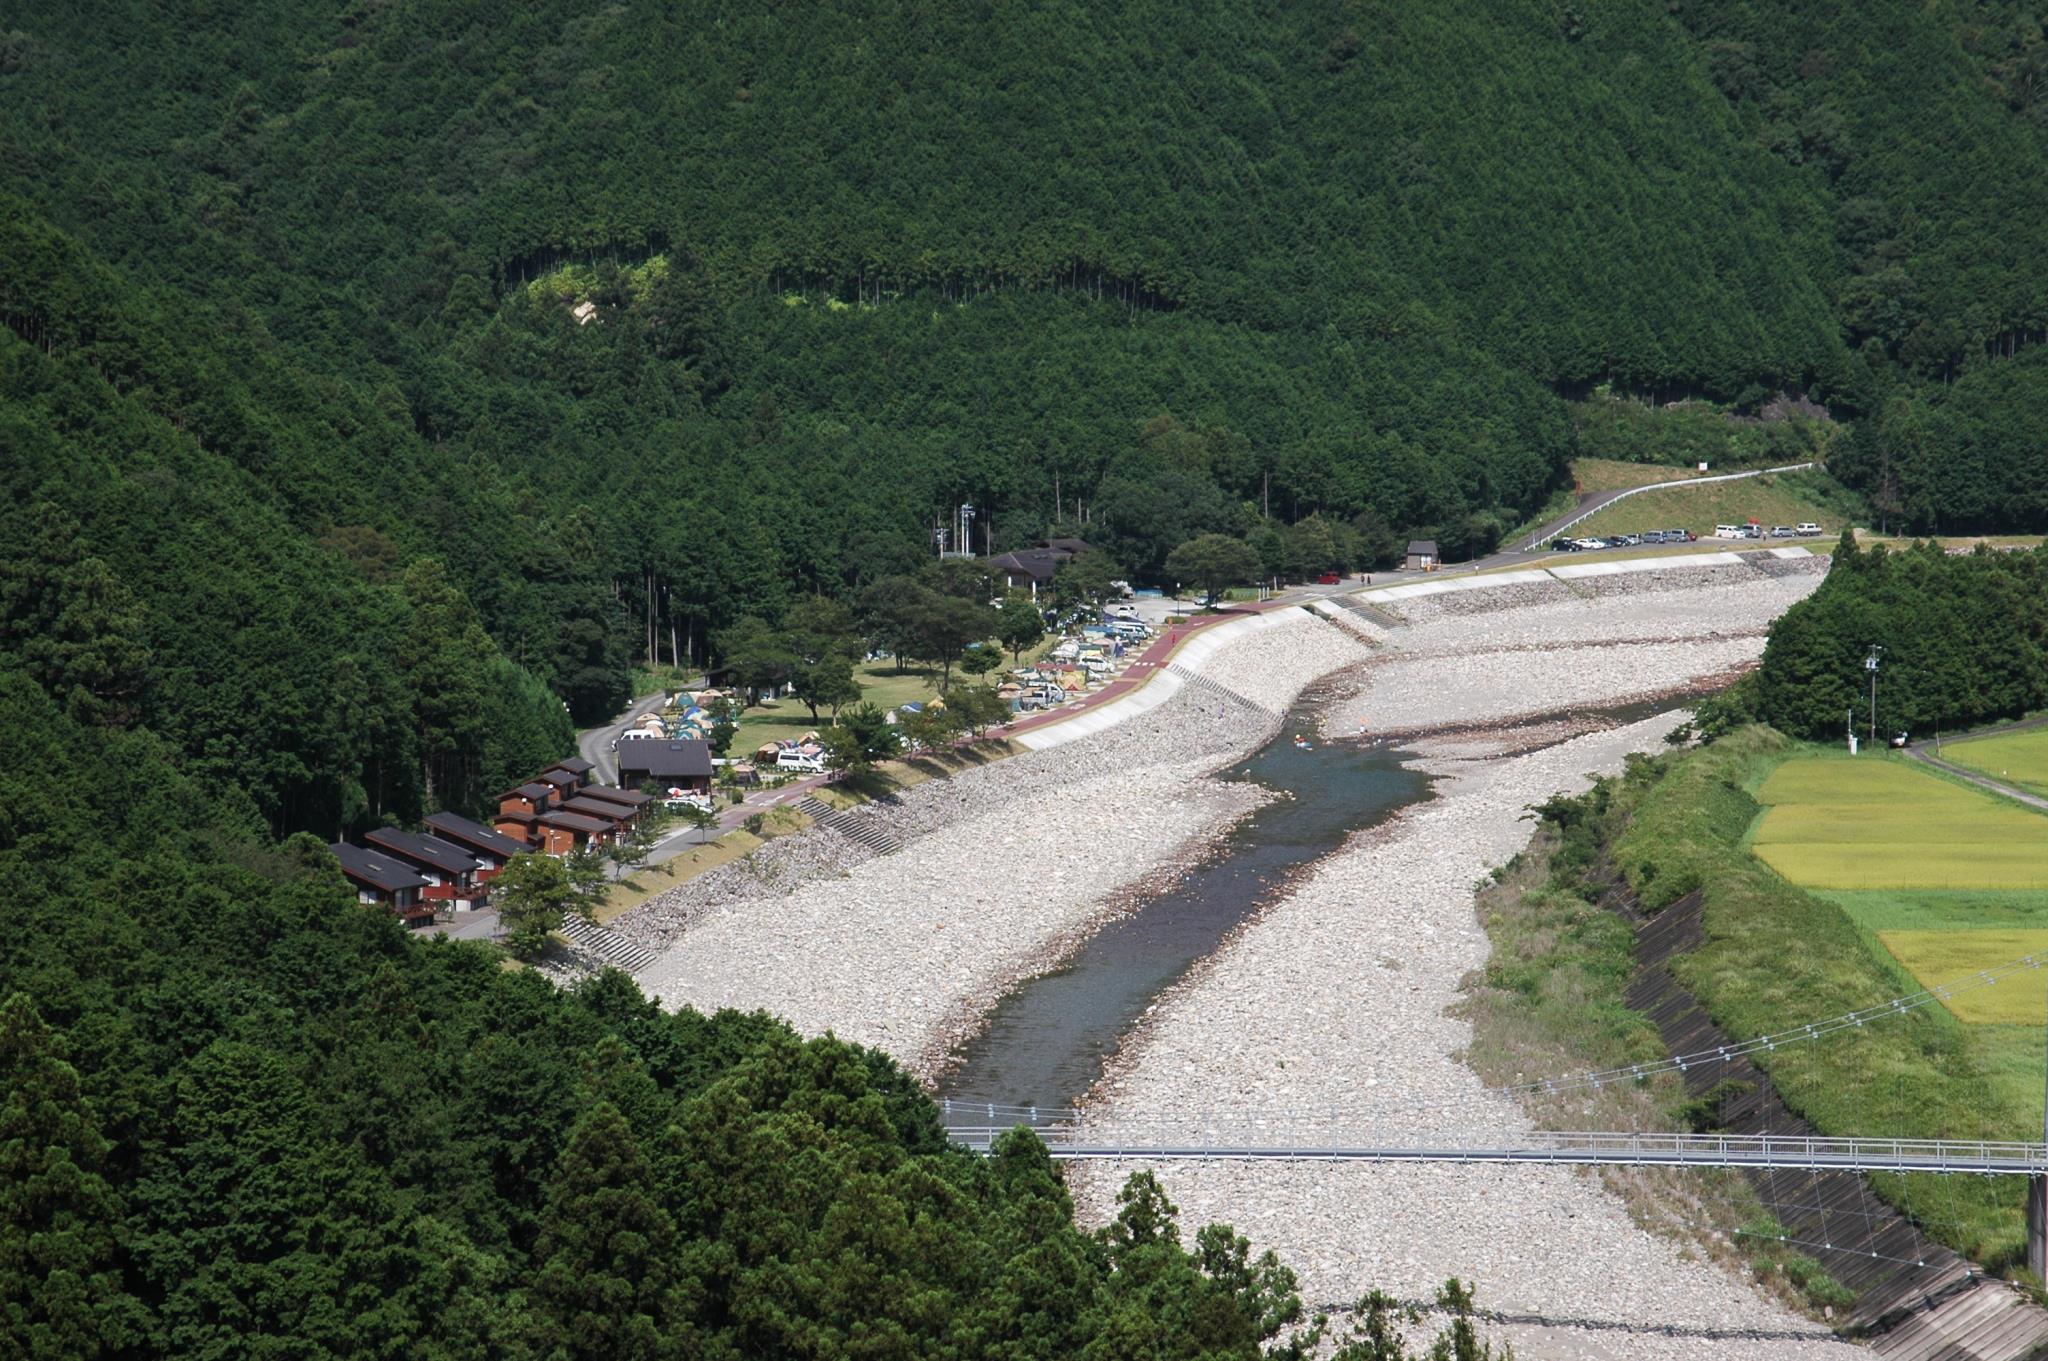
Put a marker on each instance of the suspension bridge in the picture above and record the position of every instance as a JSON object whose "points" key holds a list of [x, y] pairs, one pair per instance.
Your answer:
{"points": [[1209, 1142], [1453, 1130]]}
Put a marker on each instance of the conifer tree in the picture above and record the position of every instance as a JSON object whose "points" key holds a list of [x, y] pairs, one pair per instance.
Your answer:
{"points": [[60, 1287], [604, 1284]]}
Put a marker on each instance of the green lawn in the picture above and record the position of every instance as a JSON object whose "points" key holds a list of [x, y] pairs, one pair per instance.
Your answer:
{"points": [[1770, 500], [1613, 474], [880, 683], [1878, 823], [2019, 758]]}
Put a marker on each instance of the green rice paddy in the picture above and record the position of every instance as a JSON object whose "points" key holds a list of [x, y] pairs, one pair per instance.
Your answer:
{"points": [[1879, 823]]}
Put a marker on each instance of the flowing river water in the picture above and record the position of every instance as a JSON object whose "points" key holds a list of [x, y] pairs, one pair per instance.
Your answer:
{"points": [[1047, 1041]]}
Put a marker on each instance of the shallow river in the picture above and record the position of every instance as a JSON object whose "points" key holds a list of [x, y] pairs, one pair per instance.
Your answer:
{"points": [[1046, 1042]]}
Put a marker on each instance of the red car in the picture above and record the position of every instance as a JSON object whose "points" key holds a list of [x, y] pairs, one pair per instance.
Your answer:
{"points": [[1328, 579]]}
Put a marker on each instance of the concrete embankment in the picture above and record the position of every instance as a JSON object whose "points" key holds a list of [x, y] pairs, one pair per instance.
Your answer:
{"points": [[1336, 998], [1003, 869]]}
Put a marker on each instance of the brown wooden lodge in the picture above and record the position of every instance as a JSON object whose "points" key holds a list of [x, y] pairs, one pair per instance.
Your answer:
{"points": [[449, 865]]}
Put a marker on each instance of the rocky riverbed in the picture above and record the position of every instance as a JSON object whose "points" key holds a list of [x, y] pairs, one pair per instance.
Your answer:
{"points": [[1331, 1007], [1003, 868], [1332, 1002]]}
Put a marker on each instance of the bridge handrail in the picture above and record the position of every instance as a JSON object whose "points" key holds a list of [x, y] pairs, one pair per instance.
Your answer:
{"points": [[1195, 1139]]}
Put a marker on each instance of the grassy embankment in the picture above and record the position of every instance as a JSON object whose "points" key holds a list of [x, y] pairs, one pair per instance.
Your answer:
{"points": [[1612, 474], [1810, 863], [1553, 999], [1904, 879], [1770, 499]]}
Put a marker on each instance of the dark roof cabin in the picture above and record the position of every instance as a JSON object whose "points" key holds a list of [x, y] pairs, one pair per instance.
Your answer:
{"points": [[425, 854], [576, 766], [615, 814], [475, 838], [561, 833], [682, 763], [625, 798], [1032, 566], [531, 797], [1422, 555], [381, 879], [561, 781]]}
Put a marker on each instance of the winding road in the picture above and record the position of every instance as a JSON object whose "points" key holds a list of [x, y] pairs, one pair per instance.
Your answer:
{"points": [[595, 744], [1600, 500]]}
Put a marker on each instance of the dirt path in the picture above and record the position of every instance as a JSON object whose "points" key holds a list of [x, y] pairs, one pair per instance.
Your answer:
{"points": [[1918, 751]]}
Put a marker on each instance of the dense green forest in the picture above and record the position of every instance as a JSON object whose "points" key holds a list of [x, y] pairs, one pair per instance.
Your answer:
{"points": [[289, 290], [1965, 639], [380, 381], [240, 1116]]}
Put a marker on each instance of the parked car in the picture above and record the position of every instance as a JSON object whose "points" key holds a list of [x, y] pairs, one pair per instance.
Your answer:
{"points": [[1728, 531], [1123, 611], [1807, 528], [1784, 532], [797, 763], [1563, 545], [1653, 536], [1328, 579]]}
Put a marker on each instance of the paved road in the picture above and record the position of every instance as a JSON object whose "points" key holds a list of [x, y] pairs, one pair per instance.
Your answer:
{"points": [[1923, 753]]}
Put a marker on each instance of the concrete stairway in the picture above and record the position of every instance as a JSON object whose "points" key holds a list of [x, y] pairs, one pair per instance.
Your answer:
{"points": [[606, 944], [852, 823]]}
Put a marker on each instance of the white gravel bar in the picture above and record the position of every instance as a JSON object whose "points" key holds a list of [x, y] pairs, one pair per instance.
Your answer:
{"points": [[1004, 869], [1333, 1003], [1334, 997]]}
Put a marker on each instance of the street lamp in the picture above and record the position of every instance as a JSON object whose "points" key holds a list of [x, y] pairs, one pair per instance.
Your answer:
{"points": [[1870, 665]]}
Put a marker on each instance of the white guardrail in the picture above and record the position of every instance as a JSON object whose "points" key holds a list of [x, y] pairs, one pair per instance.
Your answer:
{"points": [[1533, 544]]}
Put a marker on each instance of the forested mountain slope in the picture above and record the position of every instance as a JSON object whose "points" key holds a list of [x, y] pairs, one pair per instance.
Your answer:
{"points": [[325, 508], [240, 1116], [1165, 267]]}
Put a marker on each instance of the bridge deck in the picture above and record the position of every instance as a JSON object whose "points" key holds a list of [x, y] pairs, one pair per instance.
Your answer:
{"points": [[1985, 1158]]}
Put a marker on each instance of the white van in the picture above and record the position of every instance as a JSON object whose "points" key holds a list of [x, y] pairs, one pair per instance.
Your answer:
{"points": [[1731, 532], [799, 764]]}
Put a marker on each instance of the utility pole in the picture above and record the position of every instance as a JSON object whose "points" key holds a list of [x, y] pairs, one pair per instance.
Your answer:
{"points": [[1870, 665]]}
